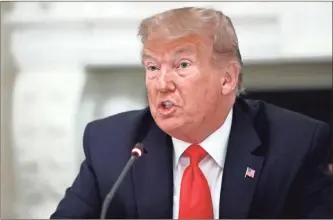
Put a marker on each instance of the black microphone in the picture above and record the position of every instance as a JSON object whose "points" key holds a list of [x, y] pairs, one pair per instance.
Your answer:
{"points": [[137, 152]]}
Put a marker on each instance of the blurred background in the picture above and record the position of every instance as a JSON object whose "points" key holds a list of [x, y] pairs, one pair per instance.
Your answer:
{"points": [[64, 64]]}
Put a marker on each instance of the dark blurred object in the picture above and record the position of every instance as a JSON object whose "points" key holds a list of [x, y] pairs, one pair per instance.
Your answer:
{"points": [[315, 103]]}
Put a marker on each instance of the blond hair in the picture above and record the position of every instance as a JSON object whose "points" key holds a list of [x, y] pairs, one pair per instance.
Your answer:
{"points": [[192, 20]]}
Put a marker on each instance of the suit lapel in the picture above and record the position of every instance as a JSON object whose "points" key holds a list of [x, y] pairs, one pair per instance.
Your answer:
{"points": [[237, 191], [153, 176]]}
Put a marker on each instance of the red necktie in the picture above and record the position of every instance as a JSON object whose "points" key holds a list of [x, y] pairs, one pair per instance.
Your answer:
{"points": [[195, 197]]}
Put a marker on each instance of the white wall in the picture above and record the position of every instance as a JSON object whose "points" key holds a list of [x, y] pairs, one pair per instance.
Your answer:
{"points": [[266, 30]]}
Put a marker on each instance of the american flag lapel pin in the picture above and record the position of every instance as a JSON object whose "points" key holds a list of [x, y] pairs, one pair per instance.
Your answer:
{"points": [[249, 172]]}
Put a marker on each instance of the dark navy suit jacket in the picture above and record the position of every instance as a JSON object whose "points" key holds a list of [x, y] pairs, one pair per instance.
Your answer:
{"points": [[288, 151]]}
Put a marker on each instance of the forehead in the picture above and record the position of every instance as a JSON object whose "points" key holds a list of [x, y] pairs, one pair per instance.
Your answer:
{"points": [[192, 44]]}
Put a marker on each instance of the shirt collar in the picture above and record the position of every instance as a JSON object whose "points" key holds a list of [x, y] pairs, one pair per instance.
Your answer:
{"points": [[215, 144]]}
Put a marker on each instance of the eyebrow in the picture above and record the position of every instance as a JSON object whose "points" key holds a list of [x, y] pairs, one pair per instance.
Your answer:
{"points": [[176, 52], [145, 55]]}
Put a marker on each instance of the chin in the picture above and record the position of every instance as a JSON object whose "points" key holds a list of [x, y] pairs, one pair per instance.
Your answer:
{"points": [[168, 125]]}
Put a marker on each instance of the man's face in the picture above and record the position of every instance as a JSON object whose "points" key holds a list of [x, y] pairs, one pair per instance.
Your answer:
{"points": [[183, 86]]}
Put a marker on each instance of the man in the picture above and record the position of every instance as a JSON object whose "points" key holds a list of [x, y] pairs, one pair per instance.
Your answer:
{"points": [[211, 154]]}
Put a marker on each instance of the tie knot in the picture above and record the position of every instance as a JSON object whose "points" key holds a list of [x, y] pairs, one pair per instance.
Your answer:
{"points": [[196, 153]]}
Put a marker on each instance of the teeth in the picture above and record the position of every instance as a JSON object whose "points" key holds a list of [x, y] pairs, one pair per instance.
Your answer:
{"points": [[167, 104]]}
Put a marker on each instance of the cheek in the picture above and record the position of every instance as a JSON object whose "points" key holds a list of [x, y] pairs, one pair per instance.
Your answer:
{"points": [[150, 90], [193, 94], [200, 94]]}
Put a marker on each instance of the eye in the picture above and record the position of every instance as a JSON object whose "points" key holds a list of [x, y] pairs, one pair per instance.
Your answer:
{"points": [[184, 64], [152, 68]]}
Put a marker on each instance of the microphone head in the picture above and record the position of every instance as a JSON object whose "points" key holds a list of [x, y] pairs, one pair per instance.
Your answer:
{"points": [[138, 150]]}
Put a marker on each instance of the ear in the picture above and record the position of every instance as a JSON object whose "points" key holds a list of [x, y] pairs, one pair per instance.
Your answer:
{"points": [[229, 80]]}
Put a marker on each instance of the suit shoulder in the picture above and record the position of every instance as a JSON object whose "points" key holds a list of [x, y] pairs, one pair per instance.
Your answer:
{"points": [[286, 131], [127, 116], [282, 117], [125, 121]]}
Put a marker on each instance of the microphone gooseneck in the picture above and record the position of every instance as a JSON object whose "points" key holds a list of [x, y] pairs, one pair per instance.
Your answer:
{"points": [[137, 152]]}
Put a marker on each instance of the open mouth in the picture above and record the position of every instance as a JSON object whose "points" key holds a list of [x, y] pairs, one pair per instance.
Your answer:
{"points": [[166, 107]]}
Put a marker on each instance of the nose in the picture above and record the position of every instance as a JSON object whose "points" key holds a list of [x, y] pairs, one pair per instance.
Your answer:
{"points": [[165, 82]]}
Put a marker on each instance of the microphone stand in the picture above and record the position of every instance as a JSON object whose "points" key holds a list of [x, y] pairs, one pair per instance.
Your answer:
{"points": [[136, 153]]}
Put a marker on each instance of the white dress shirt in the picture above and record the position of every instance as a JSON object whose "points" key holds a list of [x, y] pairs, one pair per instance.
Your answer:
{"points": [[212, 165]]}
